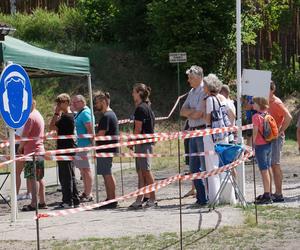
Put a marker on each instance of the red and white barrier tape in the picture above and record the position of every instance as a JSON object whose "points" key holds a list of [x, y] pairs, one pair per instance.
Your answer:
{"points": [[148, 189], [164, 137], [184, 134], [107, 155], [16, 159]]}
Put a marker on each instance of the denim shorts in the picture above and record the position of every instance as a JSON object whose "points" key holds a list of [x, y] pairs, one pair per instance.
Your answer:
{"points": [[263, 156]]}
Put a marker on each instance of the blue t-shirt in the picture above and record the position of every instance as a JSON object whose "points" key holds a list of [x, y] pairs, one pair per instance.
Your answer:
{"points": [[250, 113], [81, 118]]}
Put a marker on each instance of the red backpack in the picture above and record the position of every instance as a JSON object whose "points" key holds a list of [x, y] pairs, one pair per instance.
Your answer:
{"points": [[270, 129]]}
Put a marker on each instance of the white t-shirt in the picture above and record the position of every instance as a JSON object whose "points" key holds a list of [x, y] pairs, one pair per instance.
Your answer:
{"points": [[209, 104]]}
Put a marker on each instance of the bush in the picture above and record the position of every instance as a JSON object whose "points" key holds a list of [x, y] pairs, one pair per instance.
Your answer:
{"points": [[63, 31]]}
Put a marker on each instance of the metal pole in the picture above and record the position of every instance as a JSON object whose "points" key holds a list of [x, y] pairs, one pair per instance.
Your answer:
{"points": [[36, 205], [93, 129], [241, 167], [13, 190], [121, 167], [178, 149]]}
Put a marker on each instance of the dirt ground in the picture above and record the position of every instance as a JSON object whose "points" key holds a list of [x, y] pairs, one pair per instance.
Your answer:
{"points": [[123, 222]]}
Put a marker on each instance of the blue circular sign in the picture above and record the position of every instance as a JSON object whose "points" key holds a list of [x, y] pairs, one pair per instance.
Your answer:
{"points": [[15, 96]]}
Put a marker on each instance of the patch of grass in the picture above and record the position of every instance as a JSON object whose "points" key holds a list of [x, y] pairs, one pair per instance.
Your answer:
{"points": [[290, 142], [275, 225]]}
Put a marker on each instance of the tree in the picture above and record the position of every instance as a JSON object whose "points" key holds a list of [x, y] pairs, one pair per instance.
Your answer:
{"points": [[130, 25], [199, 28], [99, 17]]}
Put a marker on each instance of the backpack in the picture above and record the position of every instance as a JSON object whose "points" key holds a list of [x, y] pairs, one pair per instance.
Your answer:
{"points": [[219, 119], [270, 129]]}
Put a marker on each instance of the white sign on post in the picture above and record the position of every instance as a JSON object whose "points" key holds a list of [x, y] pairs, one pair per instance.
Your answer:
{"points": [[256, 83], [179, 57]]}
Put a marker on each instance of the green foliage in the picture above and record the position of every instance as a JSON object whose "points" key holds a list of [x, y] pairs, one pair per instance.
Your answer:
{"points": [[200, 29], [287, 81], [99, 18], [130, 24], [251, 24], [63, 31]]}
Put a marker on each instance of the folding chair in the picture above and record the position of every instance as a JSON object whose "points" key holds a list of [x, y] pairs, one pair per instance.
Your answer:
{"points": [[3, 183], [228, 153]]}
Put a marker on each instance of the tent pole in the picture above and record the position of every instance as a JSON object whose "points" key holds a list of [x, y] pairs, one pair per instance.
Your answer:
{"points": [[93, 122], [241, 167]]}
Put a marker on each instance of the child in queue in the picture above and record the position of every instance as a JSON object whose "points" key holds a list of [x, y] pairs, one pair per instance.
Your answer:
{"points": [[262, 148]]}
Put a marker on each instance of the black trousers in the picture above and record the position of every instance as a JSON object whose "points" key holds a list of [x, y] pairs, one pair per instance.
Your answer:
{"points": [[68, 182]]}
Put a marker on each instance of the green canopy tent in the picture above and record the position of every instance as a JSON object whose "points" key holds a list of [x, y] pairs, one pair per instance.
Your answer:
{"points": [[42, 63]]}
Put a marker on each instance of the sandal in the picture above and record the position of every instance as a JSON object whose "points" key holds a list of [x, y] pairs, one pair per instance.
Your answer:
{"points": [[42, 206], [27, 208]]}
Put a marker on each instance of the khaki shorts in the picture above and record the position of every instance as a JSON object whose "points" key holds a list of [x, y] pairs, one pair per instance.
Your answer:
{"points": [[276, 150], [82, 163], [143, 163]]}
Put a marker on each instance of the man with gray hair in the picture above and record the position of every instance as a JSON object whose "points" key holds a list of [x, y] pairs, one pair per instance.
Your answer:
{"points": [[194, 109], [84, 125]]}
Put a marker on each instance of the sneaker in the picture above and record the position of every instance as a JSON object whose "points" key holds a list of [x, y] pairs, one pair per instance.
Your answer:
{"points": [[136, 205], [82, 196], [277, 198], [86, 198], [145, 199], [21, 197], [63, 206], [151, 203], [263, 199], [201, 204], [28, 196]]}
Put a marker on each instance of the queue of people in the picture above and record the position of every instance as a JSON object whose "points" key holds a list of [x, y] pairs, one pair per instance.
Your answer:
{"points": [[207, 101], [209, 95]]}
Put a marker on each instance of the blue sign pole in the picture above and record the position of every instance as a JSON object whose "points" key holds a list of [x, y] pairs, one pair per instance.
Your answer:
{"points": [[15, 107]]}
